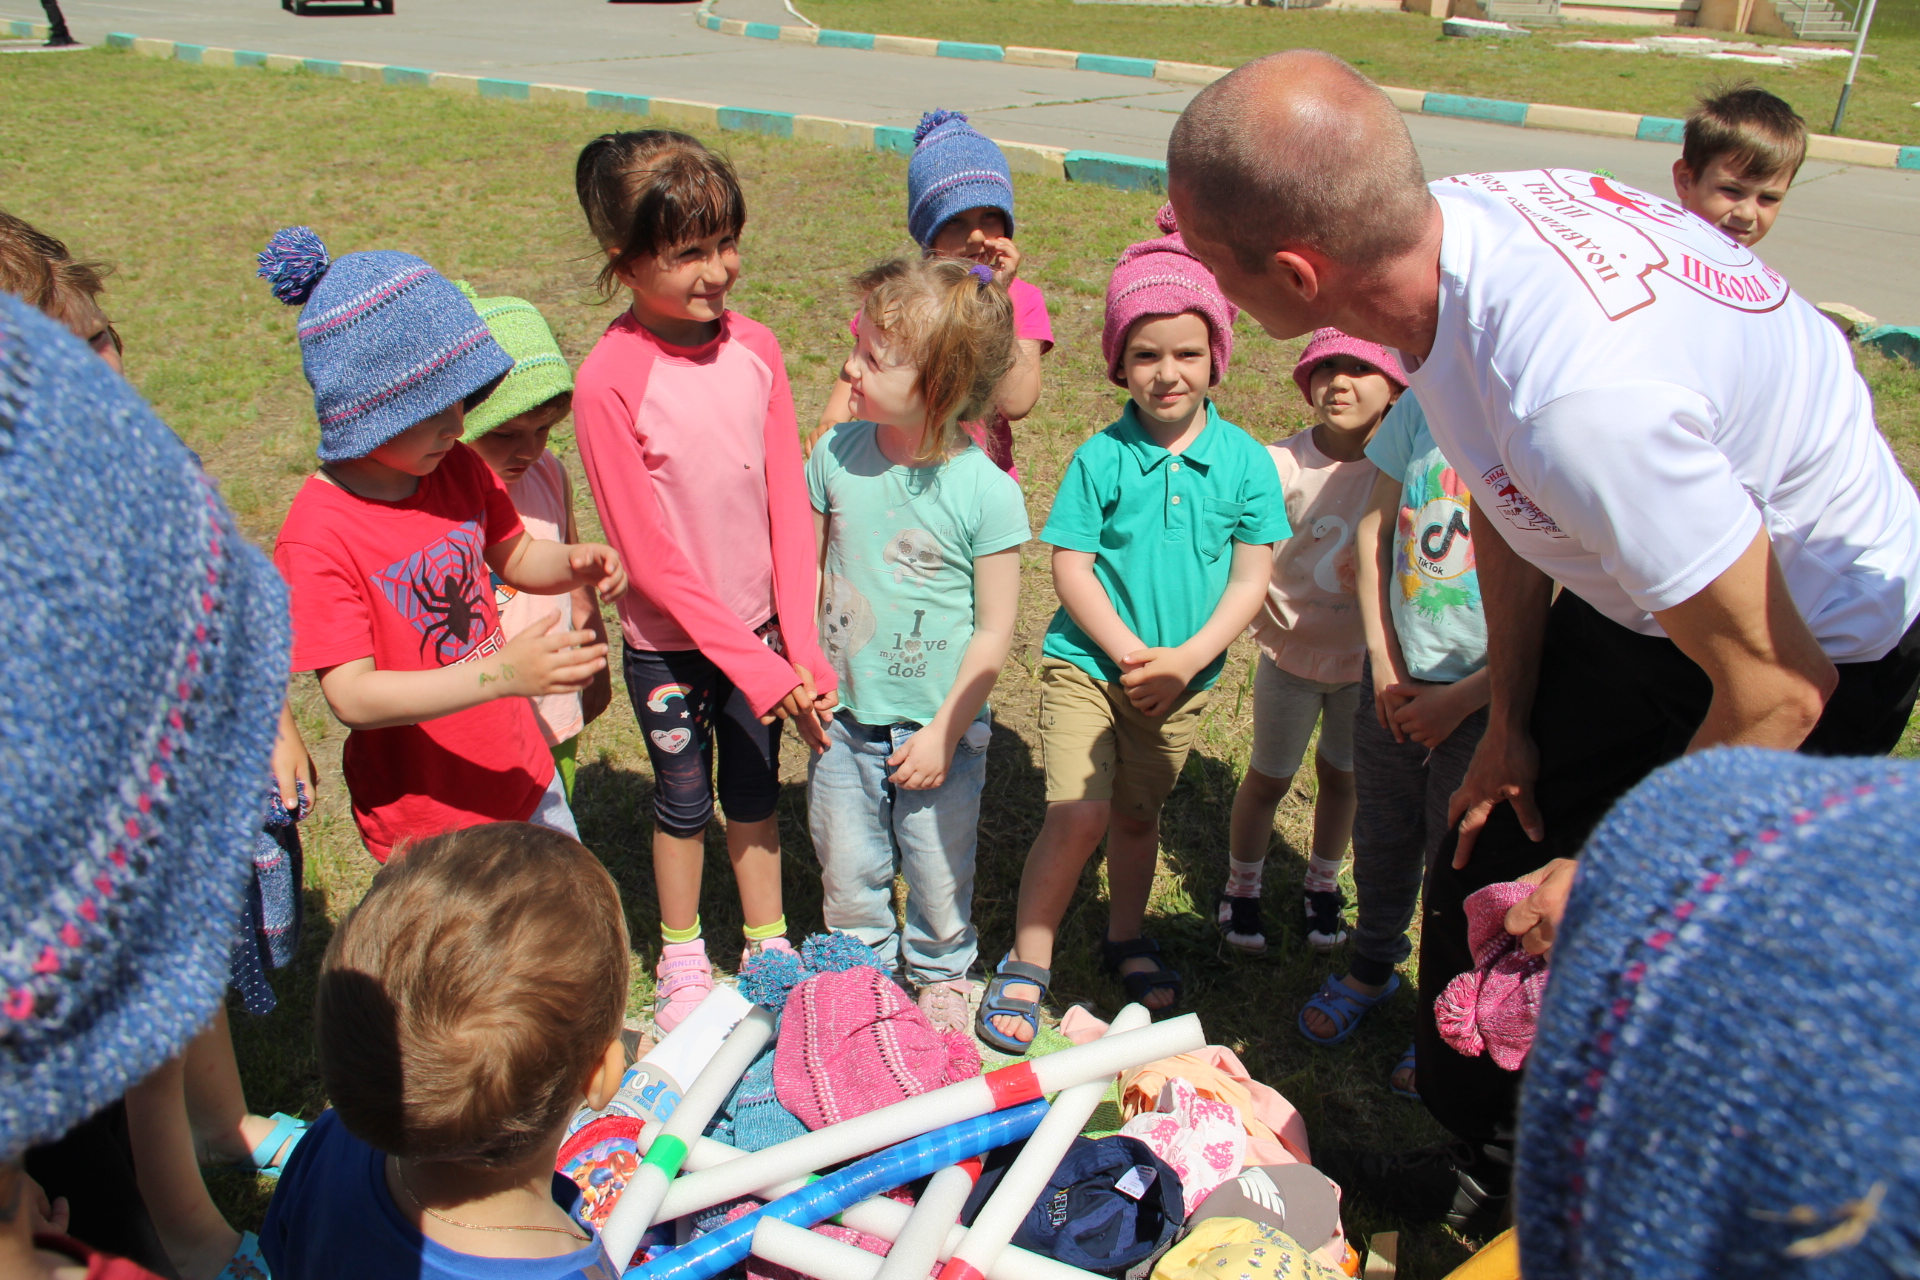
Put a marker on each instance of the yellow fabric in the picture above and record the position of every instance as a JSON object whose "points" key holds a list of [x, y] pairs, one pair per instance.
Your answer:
{"points": [[1275, 1130], [1240, 1249], [1500, 1260]]}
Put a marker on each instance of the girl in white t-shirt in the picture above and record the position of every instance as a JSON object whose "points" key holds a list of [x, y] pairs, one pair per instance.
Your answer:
{"points": [[509, 431], [1312, 644]]}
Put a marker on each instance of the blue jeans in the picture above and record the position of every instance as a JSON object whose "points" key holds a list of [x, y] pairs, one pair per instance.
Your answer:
{"points": [[863, 826]]}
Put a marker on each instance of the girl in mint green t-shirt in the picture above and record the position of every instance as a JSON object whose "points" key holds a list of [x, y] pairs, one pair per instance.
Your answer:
{"points": [[919, 544]]}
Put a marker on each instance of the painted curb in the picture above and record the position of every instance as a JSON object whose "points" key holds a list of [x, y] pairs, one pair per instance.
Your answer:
{"points": [[1127, 173], [1528, 115], [25, 29]]}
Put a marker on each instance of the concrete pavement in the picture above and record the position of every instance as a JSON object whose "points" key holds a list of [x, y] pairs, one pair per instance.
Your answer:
{"points": [[1848, 234]]}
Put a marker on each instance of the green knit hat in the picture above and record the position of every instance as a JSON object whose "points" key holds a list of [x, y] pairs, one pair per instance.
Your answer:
{"points": [[539, 371]]}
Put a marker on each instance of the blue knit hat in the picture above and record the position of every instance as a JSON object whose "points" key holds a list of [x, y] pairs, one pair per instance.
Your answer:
{"points": [[954, 168], [1723, 1083], [144, 668], [385, 339]]}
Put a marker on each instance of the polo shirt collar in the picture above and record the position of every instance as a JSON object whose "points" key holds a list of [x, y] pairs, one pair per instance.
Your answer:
{"points": [[1151, 454]]}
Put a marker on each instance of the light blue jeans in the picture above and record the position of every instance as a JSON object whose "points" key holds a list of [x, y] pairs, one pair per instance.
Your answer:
{"points": [[863, 827]]}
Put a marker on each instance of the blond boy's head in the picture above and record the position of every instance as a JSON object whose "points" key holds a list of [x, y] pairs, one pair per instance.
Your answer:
{"points": [[1741, 150], [467, 1001]]}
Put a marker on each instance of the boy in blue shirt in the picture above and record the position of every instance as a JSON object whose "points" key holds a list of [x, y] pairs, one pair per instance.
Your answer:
{"points": [[1162, 534], [466, 1007]]}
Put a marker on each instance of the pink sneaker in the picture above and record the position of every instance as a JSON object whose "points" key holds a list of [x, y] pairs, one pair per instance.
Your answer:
{"points": [[757, 945], [684, 977]]}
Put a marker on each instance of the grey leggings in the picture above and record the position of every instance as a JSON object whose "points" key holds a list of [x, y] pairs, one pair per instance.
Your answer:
{"points": [[1402, 791]]}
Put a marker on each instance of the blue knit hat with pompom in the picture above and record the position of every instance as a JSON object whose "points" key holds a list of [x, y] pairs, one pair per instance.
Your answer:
{"points": [[954, 168], [145, 668], [385, 339]]}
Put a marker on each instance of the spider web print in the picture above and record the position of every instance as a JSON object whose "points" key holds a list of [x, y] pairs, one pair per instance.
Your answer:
{"points": [[438, 589]]}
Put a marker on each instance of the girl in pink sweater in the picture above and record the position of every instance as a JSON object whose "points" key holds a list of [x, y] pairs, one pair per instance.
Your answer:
{"points": [[686, 432]]}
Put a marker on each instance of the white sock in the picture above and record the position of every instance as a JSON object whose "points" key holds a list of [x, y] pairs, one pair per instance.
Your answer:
{"points": [[1243, 878], [1323, 874]]}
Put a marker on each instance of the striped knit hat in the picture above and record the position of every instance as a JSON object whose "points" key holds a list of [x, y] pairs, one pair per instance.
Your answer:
{"points": [[540, 372], [954, 168], [385, 340], [1163, 278]]}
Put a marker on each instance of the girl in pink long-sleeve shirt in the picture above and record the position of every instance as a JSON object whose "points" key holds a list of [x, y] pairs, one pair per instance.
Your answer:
{"points": [[686, 432]]}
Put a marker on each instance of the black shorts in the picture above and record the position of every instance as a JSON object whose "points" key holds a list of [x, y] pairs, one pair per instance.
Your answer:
{"points": [[1612, 706], [690, 713]]}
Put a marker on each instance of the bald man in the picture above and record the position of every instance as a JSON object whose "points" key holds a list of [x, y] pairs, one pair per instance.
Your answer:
{"points": [[1645, 414]]}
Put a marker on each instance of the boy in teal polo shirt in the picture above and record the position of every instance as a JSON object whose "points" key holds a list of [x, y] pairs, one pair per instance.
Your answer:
{"points": [[1162, 534]]}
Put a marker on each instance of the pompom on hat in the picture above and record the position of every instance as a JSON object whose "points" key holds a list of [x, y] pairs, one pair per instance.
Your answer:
{"points": [[145, 670], [1332, 342], [1162, 278], [540, 372], [852, 1042], [386, 341], [954, 168]]}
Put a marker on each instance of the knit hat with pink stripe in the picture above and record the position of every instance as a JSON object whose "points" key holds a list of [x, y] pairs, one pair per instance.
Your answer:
{"points": [[852, 1042], [1163, 278], [385, 339], [1332, 342]]}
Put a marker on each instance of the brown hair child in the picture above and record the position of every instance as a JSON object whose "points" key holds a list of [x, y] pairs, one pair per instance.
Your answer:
{"points": [[1740, 153]]}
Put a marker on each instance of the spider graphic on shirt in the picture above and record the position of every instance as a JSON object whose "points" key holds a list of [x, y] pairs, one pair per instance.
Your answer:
{"points": [[453, 614], [443, 591]]}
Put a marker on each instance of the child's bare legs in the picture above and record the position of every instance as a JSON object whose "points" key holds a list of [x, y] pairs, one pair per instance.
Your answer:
{"points": [[197, 1239], [1068, 837], [754, 850], [1250, 830], [223, 1129], [1133, 849]]}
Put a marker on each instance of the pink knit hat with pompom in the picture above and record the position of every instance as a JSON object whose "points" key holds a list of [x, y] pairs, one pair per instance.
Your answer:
{"points": [[1163, 278], [851, 1042], [1332, 342]]}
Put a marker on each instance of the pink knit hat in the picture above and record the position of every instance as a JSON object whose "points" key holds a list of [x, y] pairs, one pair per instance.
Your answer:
{"points": [[851, 1042], [1163, 278], [1332, 342]]}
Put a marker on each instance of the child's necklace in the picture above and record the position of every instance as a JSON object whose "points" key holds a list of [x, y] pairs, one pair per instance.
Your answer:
{"points": [[400, 1176]]}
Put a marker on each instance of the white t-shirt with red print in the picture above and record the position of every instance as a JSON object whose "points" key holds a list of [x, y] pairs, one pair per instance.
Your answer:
{"points": [[1628, 394]]}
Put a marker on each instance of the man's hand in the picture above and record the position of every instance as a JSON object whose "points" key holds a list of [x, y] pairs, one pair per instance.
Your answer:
{"points": [[1427, 713], [1537, 920], [922, 763], [541, 660], [1504, 768], [1154, 679], [600, 566], [292, 763]]}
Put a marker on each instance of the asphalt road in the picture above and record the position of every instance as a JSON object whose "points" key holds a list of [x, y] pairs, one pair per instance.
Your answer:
{"points": [[1847, 234]]}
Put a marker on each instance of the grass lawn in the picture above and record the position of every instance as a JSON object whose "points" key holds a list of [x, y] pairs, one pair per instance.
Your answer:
{"points": [[1408, 50], [178, 174]]}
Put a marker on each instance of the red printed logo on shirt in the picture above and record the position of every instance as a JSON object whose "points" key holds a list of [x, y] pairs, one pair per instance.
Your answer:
{"points": [[1619, 241], [1520, 510], [442, 590]]}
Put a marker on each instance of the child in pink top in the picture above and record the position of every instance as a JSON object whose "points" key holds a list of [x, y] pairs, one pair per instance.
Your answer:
{"points": [[960, 205], [686, 430], [1312, 642], [509, 431]]}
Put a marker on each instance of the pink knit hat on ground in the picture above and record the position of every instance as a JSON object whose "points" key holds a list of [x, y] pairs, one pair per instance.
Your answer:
{"points": [[1163, 278], [851, 1042], [1332, 342]]}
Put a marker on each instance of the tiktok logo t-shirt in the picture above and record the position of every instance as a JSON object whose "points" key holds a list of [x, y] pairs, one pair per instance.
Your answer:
{"points": [[897, 612], [1434, 594]]}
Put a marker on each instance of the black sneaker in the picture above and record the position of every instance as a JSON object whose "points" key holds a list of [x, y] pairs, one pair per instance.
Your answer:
{"points": [[1245, 926], [1464, 1185], [1325, 929]]}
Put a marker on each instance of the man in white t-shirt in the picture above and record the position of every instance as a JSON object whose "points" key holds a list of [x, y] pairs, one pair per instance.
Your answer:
{"points": [[1645, 414]]}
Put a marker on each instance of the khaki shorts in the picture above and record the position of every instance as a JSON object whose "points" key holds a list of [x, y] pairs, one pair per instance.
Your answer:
{"points": [[1097, 746]]}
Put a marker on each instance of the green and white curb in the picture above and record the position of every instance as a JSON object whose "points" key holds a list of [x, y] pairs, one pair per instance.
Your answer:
{"points": [[23, 29], [1525, 115], [1127, 173]]}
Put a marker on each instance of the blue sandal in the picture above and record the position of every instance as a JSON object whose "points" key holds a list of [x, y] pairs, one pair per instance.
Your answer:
{"points": [[1407, 1063], [246, 1263], [996, 1002], [287, 1132], [1343, 1006]]}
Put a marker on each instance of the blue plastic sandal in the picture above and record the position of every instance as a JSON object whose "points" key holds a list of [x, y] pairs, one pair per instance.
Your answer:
{"points": [[997, 1002], [1343, 1006], [246, 1263], [1407, 1063], [287, 1131]]}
